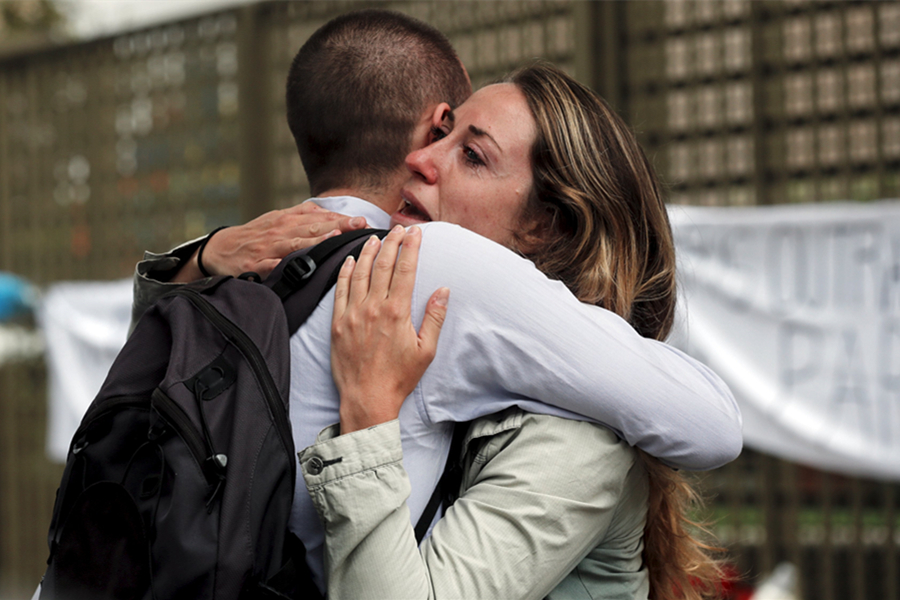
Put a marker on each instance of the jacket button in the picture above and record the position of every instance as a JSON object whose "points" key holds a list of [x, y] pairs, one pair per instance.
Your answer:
{"points": [[315, 465]]}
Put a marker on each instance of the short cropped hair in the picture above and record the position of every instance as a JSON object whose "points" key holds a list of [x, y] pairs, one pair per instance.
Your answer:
{"points": [[358, 87]]}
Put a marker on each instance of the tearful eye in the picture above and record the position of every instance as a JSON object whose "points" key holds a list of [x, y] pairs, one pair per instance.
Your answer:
{"points": [[472, 156]]}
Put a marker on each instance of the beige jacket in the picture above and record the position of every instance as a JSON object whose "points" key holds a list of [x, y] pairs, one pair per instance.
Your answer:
{"points": [[549, 508]]}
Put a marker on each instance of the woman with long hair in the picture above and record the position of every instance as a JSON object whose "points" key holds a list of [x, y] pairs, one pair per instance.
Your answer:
{"points": [[542, 165]]}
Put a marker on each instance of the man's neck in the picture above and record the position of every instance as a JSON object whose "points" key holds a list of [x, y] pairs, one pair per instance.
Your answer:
{"points": [[386, 200]]}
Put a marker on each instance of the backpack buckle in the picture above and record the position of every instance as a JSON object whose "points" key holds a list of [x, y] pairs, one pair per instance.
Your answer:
{"points": [[298, 270]]}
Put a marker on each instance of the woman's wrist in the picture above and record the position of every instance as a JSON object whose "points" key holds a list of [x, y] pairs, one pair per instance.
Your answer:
{"points": [[363, 410]]}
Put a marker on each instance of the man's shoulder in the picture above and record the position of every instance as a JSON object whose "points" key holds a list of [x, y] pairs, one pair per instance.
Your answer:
{"points": [[455, 242], [471, 264], [444, 230]]}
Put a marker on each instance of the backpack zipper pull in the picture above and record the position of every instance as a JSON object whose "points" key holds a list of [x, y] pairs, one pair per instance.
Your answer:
{"points": [[218, 463]]}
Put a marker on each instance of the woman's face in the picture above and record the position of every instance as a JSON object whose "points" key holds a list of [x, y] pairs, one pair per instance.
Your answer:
{"points": [[477, 171]]}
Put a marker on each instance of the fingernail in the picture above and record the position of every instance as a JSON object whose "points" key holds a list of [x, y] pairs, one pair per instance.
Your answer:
{"points": [[397, 229], [372, 241], [333, 233], [357, 222], [443, 295], [414, 230], [348, 262]]}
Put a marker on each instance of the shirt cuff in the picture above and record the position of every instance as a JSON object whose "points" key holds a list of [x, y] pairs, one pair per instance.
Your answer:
{"points": [[335, 456], [152, 275], [160, 268]]}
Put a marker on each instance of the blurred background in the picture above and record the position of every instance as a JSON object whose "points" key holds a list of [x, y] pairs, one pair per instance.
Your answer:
{"points": [[127, 126]]}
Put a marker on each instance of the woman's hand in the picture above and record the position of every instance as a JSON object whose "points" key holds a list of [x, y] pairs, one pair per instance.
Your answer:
{"points": [[377, 358]]}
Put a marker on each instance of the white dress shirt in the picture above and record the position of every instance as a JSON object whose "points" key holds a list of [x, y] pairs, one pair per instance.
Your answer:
{"points": [[513, 337]]}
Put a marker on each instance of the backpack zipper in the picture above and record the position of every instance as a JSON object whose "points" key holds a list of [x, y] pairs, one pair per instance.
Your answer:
{"points": [[168, 408], [257, 363], [102, 408], [183, 426]]}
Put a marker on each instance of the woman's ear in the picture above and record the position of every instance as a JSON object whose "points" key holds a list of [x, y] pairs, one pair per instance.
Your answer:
{"points": [[536, 230]]}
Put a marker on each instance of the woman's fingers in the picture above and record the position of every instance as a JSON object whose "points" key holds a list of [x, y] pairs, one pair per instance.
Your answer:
{"points": [[435, 313], [342, 289], [383, 269], [377, 357], [404, 279], [359, 280]]}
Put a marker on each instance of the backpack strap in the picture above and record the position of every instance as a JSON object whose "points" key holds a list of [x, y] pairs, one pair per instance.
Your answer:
{"points": [[447, 490], [296, 268], [314, 270]]}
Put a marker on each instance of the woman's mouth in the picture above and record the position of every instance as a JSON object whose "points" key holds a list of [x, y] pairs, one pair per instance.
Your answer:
{"points": [[411, 213]]}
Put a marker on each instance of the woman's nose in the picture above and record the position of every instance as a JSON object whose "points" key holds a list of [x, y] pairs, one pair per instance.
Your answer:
{"points": [[420, 162]]}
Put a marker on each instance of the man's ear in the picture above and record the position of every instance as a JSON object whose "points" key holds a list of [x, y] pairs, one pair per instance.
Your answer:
{"points": [[430, 119], [440, 113]]}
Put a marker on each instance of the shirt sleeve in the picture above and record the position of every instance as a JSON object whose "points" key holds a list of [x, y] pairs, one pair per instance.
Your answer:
{"points": [[514, 336], [539, 496], [152, 277]]}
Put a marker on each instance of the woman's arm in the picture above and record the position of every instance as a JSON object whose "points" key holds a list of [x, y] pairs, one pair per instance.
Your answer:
{"points": [[540, 493]]}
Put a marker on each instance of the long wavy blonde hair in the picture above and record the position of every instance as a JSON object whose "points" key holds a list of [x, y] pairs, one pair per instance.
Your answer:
{"points": [[596, 220]]}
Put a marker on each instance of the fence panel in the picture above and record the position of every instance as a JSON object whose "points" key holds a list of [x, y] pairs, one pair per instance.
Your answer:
{"points": [[841, 532], [767, 102], [743, 103], [27, 479]]}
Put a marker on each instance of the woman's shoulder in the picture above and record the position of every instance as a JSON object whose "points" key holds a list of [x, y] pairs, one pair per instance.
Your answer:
{"points": [[515, 421], [561, 445]]}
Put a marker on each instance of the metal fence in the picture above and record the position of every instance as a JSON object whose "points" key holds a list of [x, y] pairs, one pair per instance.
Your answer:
{"points": [[767, 102], [146, 139]]}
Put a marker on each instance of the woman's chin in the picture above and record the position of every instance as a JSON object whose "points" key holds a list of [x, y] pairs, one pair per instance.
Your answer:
{"points": [[398, 218]]}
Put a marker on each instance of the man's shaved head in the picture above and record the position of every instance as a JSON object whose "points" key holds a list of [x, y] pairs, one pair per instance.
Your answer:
{"points": [[358, 87]]}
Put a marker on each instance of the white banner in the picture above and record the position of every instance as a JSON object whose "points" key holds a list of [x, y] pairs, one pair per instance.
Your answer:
{"points": [[85, 324], [798, 310]]}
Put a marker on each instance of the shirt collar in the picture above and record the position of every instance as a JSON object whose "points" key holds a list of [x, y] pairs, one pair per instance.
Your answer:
{"points": [[355, 207]]}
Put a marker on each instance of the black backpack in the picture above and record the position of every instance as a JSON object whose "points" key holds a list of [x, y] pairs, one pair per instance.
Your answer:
{"points": [[180, 479]]}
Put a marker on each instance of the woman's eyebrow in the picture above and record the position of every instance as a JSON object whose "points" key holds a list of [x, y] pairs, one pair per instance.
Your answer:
{"points": [[482, 133]]}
